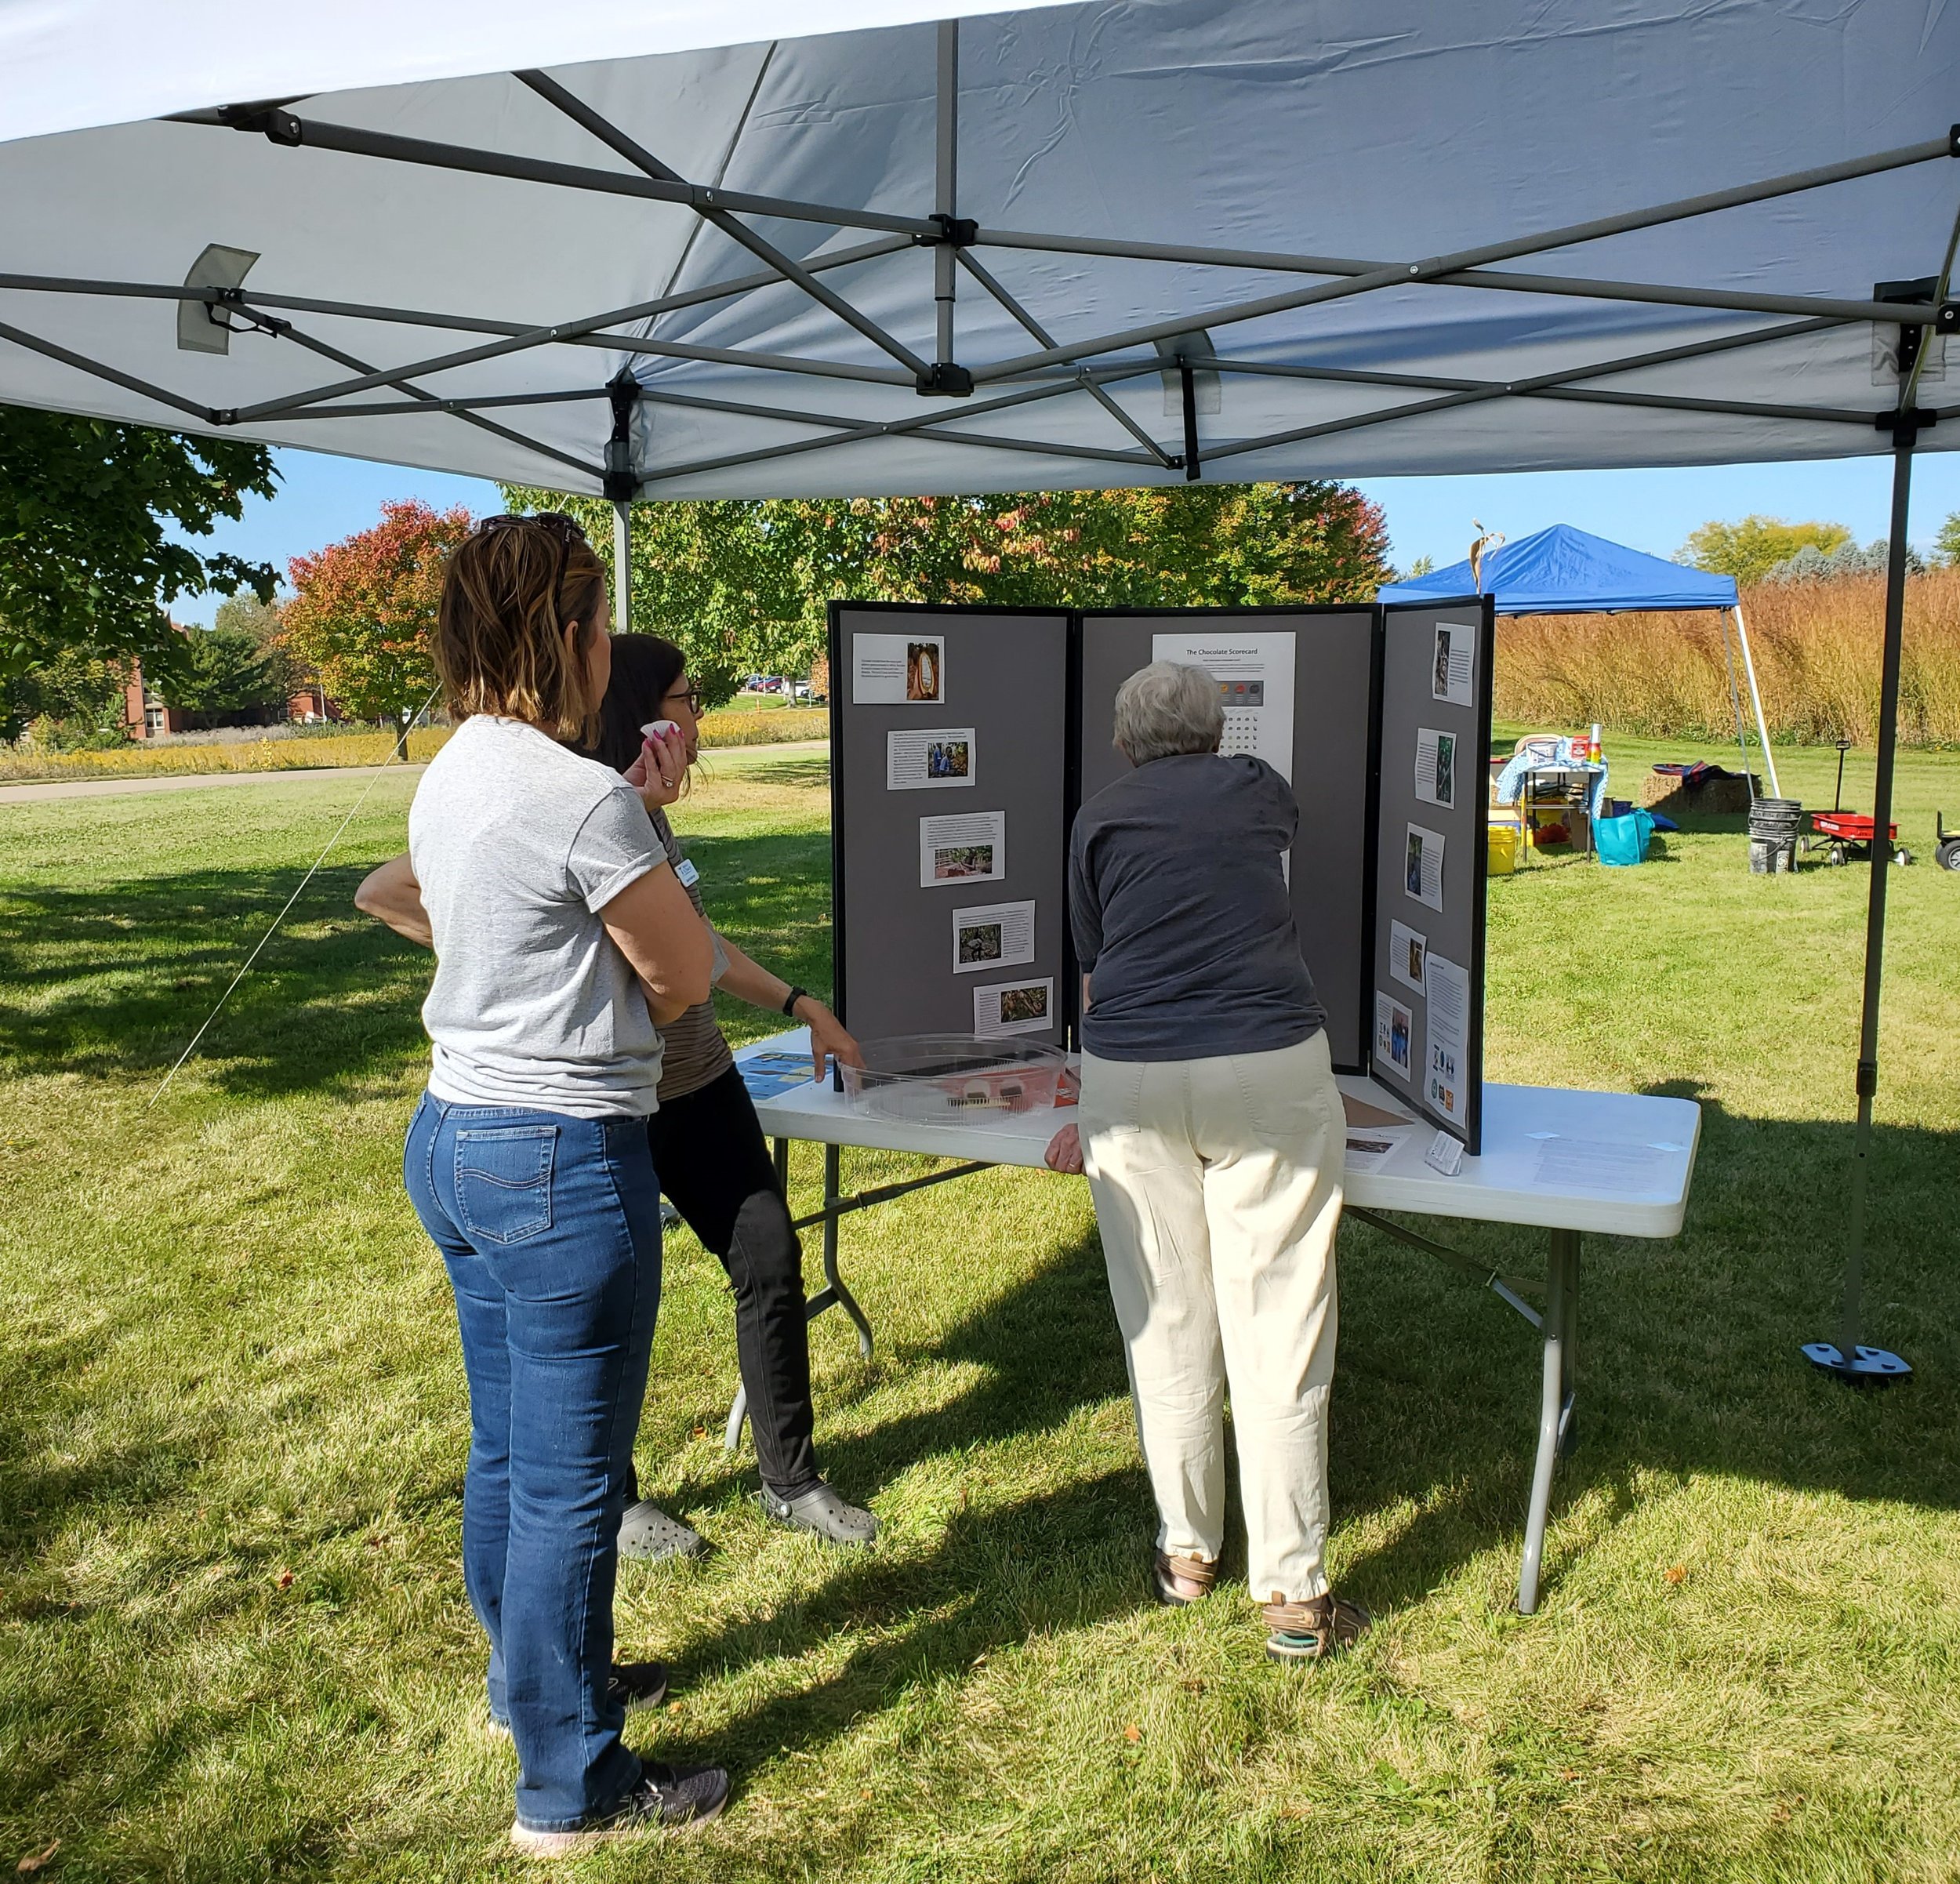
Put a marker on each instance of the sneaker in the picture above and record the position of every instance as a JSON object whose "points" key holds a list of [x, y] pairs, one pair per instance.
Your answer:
{"points": [[632, 1684], [1313, 1630], [820, 1510], [665, 1797], [647, 1533]]}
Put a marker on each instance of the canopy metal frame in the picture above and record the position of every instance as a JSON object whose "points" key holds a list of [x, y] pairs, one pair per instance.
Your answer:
{"points": [[1085, 368], [1051, 368]]}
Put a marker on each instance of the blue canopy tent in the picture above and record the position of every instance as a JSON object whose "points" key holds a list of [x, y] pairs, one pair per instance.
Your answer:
{"points": [[1563, 571]]}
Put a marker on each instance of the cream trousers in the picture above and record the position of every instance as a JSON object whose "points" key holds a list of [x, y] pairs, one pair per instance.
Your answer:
{"points": [[1217, 1191]]}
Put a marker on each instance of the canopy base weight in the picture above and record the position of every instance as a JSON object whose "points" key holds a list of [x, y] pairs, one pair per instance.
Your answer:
{"points": [[1867, 1367]]}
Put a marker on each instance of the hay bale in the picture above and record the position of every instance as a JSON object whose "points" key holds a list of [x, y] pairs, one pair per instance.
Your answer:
{"points": [[1663, 793]]}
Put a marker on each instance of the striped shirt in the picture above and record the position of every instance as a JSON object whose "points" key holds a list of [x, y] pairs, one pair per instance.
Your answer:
{"points": [[694, 1054]]}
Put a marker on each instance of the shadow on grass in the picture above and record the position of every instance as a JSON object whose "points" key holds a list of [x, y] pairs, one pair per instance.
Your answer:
{"points": [[110, 983], [1688, 1353]]}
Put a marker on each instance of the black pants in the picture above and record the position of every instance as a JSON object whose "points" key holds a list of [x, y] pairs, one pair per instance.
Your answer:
{"points": [[714, 1165]]}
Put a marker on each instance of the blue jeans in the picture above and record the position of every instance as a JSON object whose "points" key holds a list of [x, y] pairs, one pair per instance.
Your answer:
{"points": [[550, 1227]]}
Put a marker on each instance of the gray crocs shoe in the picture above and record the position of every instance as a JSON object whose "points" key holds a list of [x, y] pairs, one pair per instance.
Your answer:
{"points": [[821, 1510], [647, 1533]]}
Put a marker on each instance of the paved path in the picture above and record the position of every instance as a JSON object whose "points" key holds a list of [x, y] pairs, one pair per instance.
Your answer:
{"points": [[36, 790]]}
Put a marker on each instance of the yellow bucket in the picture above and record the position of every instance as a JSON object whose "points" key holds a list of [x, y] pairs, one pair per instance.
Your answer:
{"points": [[1503, 849]]}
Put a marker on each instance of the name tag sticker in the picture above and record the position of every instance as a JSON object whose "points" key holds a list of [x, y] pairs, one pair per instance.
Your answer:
{"points": [[687, 873]]}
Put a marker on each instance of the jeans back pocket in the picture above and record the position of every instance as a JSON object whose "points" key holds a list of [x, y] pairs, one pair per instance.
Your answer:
{"points": [[503, 1180]]}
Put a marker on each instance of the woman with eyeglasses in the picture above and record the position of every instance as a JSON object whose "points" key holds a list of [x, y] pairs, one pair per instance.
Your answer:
{"points": [[563, 940], [708, 1148]]}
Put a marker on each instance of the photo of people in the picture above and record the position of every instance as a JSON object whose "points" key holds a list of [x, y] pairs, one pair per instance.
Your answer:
{"points": [[949, 759], [951, 861], [1394, 1026], [925, 670], [1412, 958], [1446, 768], [1025, 1005], [980, 942], [1412, 876]]}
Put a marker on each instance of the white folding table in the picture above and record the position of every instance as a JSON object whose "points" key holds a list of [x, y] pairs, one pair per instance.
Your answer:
{"points": [[1566, 1161]]}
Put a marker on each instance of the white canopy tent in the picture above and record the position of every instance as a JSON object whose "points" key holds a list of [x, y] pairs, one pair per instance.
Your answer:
{"points": [[654, 250]]}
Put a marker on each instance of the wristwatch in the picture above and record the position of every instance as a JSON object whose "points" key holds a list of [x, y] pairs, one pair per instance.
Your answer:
{"points": [[789, 1001]]}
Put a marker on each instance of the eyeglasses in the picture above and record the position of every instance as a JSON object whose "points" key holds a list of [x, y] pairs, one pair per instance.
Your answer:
{"points": [[691, 696], [566, 531]]}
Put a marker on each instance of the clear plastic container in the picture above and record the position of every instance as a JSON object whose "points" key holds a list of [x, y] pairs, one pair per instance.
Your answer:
{"points": [[940, 1078]]}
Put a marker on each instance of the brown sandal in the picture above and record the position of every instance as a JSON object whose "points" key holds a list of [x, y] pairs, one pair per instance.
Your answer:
{"points": [[1167, 1572], [1312, 1630]]}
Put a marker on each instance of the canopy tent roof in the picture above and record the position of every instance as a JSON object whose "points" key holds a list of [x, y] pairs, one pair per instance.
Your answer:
{"points": [[1563, 571], [1251, 239]]}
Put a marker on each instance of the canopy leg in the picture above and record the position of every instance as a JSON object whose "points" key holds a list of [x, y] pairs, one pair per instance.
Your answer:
{"points": [[1846, 1358], [1735, 698], [623, 568], [1755, 698]]}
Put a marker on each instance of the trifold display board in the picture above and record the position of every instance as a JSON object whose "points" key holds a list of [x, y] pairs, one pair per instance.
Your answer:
{"points": [[964, 739]]}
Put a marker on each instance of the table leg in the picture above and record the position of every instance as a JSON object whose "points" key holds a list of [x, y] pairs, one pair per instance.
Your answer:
{"points": [[832, 1163], [1555, 1403]]}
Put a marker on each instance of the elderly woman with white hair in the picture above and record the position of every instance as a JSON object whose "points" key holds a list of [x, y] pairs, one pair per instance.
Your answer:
{"points": [[1213, 1135]]}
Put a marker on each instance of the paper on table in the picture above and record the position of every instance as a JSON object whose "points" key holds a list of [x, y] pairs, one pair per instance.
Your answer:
{"points": [[970, 847], [1359, 1112], [1448, 1046], [1369, 1151], [993, 936], [898, 670], [918, 761], [1456, 662], [1254, 673], [1422, 870], [1435, 767], [1596, 1164], [1013, 1007], [1406, 952]]}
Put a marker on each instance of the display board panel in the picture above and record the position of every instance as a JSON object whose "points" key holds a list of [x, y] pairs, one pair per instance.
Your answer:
{"points": [[950, 741], [1426, 1020], [1300, 692]]}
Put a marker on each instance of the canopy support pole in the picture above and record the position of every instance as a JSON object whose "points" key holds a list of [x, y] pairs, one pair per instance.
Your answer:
{"points": [[621, 484], [945, 187], [1735, 698], [622, 568], [1755, 697], [1847, 1359]]}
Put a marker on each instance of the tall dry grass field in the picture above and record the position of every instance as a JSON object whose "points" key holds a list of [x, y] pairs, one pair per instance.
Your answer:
{"points": [[1817, 649]]}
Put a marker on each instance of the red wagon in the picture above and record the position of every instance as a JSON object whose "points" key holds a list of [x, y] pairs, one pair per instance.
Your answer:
{"points": [[1845, 835]]}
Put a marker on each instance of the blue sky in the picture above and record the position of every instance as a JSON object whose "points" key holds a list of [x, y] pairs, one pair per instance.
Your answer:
{"points": [[322, 498]]}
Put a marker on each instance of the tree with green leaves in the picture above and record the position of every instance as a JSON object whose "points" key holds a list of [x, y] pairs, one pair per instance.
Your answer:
{"points": [[90, 516], [363, 612], [743, 585], [1749, 550], [1946, 546], [226, 675], [262, 622], [71, 697]]}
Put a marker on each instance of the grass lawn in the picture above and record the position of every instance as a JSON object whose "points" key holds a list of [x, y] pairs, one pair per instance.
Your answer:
{"points": [[233, 1638]]}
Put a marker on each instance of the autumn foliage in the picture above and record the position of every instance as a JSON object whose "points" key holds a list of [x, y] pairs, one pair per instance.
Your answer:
{"points": [[363, 612]]}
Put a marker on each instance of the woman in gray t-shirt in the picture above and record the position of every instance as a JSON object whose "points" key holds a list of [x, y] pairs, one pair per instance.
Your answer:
{"points": [[563, 938]]}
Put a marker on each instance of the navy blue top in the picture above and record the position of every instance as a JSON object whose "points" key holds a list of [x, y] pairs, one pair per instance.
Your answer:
{"points": [[1182, 914]]}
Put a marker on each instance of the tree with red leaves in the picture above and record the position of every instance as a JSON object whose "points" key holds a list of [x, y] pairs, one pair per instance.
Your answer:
{"points": [[363, 613]]}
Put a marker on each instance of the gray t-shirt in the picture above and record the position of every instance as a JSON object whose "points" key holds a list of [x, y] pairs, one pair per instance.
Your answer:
{"points": [[1180, 909], [517, 844]]}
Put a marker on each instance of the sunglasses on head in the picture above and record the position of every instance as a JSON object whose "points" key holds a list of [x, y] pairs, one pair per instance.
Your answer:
{"points": [[565, 531]]}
